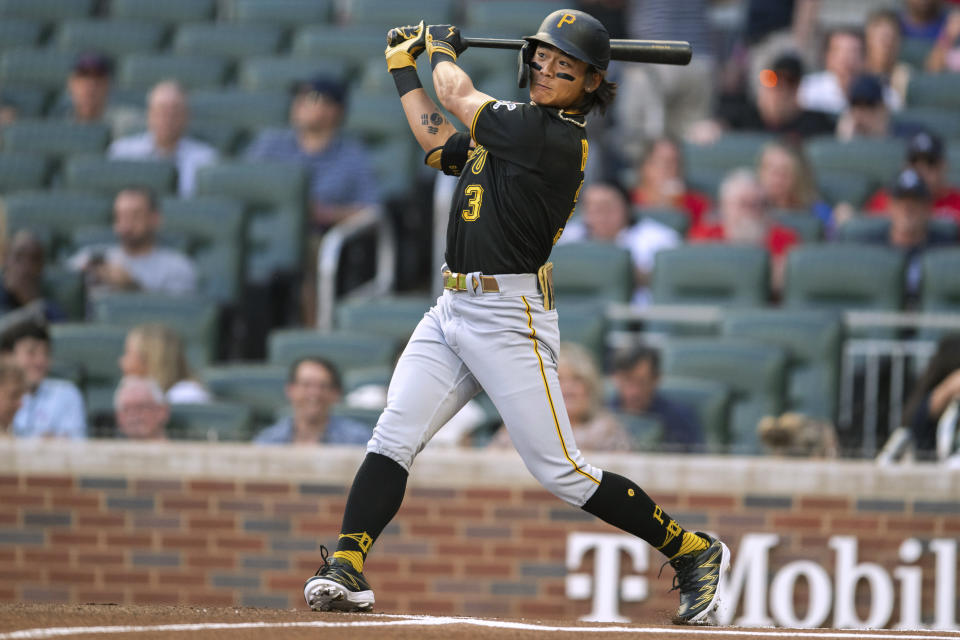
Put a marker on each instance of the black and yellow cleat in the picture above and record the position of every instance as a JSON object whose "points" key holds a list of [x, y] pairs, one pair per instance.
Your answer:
{"points": [[698, 578], [337, 586]]}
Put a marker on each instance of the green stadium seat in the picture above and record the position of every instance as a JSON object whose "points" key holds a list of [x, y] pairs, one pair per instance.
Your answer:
{"points": [[30, 102], [502, 85], [844, 276], [585, 324], [55, 214], [876, 158], [195, 318], [507, 18], [482, 64], [914, 51], [812, 341], [676, 219], [259, 386], [363, 415], [836, 186], [376, 117], [940, 120], [111, 37], [226, 39], [646, 431], [394, 163], [215, 233], [18, 33], [353, 45], [705, 179], [591, 271], [388, 12], [40, 68], [866, 229], [167, 11], [94, 350], [55, 138], [940, 286], [48, 10], [712, 274], [346, 349], [143, 70], [248, 109], [710, 400], [281, 73], [388, 316], [755, 373], [364, 376], [803, 223], [19, 171], [226, 138], [285, 13], [212, 422], [933, 90], [66, 288], [97, 174], [730, 151]]}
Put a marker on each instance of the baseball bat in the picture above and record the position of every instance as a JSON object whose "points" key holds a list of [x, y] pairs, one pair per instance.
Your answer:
{"points": [[676, 52]]}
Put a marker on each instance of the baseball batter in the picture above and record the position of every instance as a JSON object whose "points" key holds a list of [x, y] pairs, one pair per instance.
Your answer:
{"points": [[520, 168]]}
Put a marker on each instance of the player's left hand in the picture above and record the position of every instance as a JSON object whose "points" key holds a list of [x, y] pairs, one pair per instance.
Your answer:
{"points": [[445, 38], [404, 44]]}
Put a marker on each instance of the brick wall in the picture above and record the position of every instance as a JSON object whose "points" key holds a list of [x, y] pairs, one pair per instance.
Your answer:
{"points": [[240, 525]]}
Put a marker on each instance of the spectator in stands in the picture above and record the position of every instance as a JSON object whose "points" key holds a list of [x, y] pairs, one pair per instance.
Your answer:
{"points": [[636, 377], [660, 182], [8, 112], [938, 387], [141, 409], [342, 178], [788, 183], [868, 116], [313, 388], [89, 89], [743, 217], [50, 407], [945, 53], [594, 427], [165, 137], [156, 351], [12, 388], [925, 154], [22, 280], [923, 19], [827, 90], [776, 108], [137, 262], [882, 37], [605, 217]]}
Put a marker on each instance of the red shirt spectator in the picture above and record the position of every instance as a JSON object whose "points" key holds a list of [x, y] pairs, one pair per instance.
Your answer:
{"points": [[660, 182], [778, 242]]}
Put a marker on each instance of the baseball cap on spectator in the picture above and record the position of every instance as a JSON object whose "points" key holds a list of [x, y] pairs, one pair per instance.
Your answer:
{"points": [[925, 146], [326, 86], [866, 90], [788, 68], [909, 184], [92, 64]]}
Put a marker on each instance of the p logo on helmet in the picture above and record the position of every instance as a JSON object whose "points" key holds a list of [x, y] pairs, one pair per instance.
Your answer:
{"points": [[567, 18]]}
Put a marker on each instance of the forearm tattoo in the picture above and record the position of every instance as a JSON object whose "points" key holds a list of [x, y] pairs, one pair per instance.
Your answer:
{"points": [[432, 122]]}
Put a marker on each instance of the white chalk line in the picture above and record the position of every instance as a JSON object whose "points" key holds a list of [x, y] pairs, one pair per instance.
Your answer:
{"points": [[410, 620]]}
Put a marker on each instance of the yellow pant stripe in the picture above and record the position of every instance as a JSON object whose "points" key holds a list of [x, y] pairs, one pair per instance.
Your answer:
{"points": [[546, 387]]}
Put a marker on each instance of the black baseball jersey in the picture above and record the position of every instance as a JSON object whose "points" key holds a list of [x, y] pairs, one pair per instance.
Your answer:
{"points": [[518, 188]]}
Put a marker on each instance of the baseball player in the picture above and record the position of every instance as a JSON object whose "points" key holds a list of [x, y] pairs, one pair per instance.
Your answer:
{"points": [[520, 168]]}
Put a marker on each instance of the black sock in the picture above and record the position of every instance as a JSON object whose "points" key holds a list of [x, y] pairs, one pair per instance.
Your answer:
{"points": [[374, 499], [623, 504]]}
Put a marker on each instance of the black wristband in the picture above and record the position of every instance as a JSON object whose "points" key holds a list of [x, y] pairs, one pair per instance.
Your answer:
{"points": [[406, 79], [439, 56]]}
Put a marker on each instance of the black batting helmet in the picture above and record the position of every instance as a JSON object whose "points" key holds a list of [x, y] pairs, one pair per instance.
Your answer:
{"points": [[574, 32]]}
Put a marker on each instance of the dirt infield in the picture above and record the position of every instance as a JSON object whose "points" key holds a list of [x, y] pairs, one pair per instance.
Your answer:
{"points": [[37, 621]]}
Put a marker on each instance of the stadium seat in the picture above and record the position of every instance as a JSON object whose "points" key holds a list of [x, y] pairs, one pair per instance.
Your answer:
{"points": [[94, 350], [867, 229], [591, 271], [676, 219], [507, 18], [225, 137], [212, 422], [940, 286], [812, 341], [49, 10], [143, 70], [346, 349], [710, 400], [844, 276], [66, 288], [364, 415], [836, 186], [388, 316], [55, 138], [365, 376], [20, 171], [646, 431], [280, 73], [585, 324], [803, 223], [376, 118], [941, 120], [259, 386], [226, 39], [394, 162], [388, 12], [40, 68], [713, 274], [248, 109], [30, 102], [755, 373], [111, 37], [274, 196], [284, 13], [914, 51], [19, 33], [730, 151], [876, 158], [353, 45], [195, 318], [482, 64], [705, 179], [55, 214], [97, 174], [167, 11], [933, 90]]}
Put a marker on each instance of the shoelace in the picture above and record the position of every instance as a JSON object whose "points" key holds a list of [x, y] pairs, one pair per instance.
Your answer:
{"points": [[682, 583], [324, 554]]}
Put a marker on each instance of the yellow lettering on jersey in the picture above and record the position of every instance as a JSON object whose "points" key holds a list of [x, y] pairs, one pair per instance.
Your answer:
{"points": [[479, 157], [658, 514], [475, 193], [583, 156], [567, 18]]}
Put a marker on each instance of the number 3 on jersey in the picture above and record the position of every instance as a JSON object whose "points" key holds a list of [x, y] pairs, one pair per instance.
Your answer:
{"points": [[475, 194]]}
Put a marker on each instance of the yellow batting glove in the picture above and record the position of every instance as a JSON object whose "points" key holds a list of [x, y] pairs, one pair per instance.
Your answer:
{"points": [[404, 44]]}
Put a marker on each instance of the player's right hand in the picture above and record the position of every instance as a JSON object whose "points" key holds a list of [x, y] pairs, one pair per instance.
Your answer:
{"points": [[404, 44]]}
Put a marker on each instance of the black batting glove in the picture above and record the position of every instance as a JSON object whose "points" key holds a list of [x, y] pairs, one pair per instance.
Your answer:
{"points": [[444, 43]]}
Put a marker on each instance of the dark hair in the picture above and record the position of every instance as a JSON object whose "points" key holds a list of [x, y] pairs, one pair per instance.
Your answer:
{"points": [[630, 358], [323, 362], [147, 193], [648, 151], [601, 97], [21, 331]]}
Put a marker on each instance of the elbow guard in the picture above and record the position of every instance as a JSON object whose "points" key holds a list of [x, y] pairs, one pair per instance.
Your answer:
{"points": [[452, 156]]}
